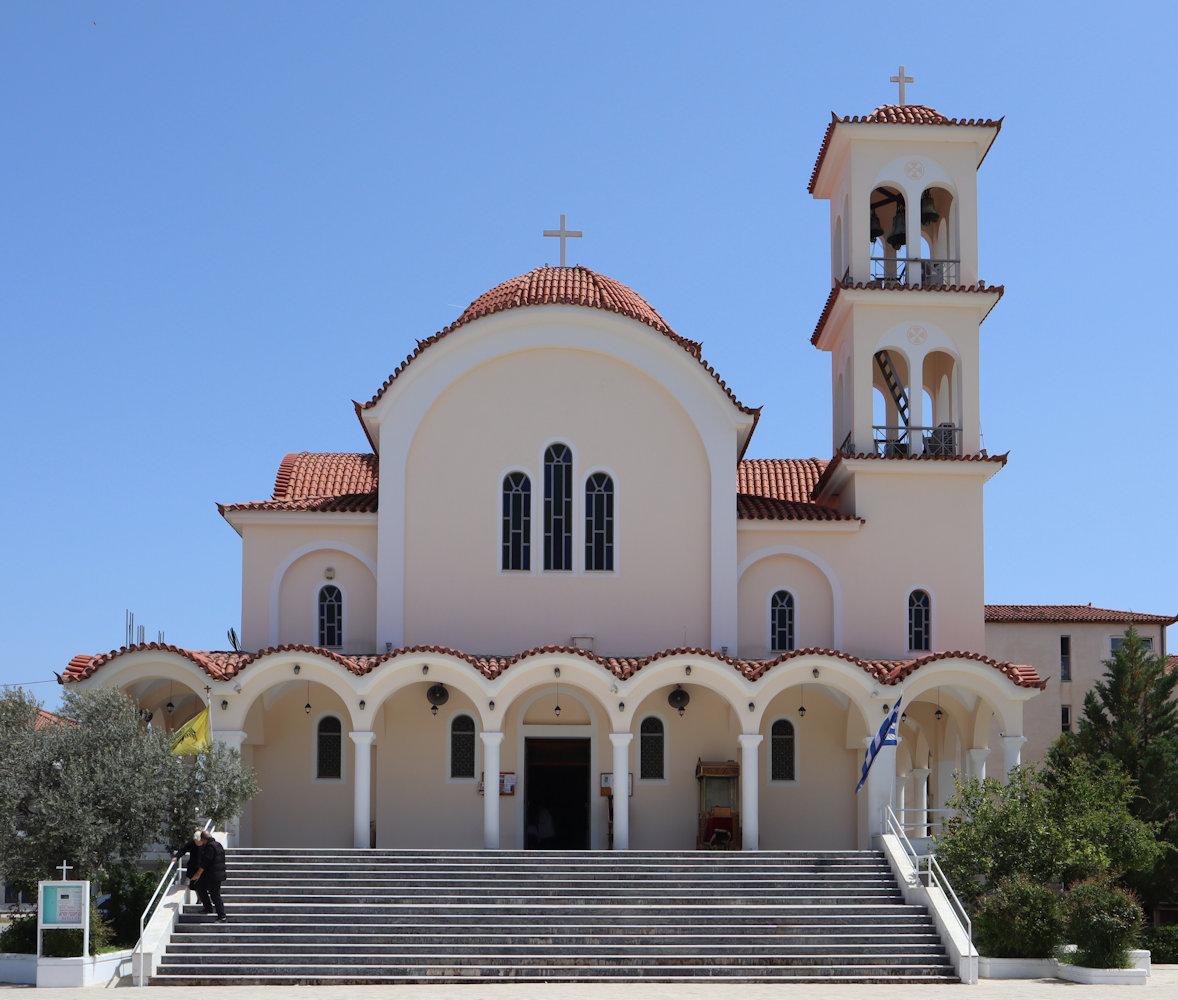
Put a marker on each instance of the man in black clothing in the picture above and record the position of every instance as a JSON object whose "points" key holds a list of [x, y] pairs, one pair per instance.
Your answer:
{"points": [[210, 875], [192, 849]]}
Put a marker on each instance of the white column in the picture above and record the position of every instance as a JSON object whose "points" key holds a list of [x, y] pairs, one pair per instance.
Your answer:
{"points": [[916, 415], [976, 762], [750, 787], [621, 742], [920, 799], [362, 789], [880, 781], [232, 738], [900, 797], [491, 742], [1012, 754]]}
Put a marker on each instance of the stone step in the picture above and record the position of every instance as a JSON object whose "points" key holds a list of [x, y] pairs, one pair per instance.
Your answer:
{"points": [[354, 916]]}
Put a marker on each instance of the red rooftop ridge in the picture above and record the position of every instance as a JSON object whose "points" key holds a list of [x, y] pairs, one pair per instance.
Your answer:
{"points": [[225, 665], [895, 114], [576, 286], [1079, 613]]}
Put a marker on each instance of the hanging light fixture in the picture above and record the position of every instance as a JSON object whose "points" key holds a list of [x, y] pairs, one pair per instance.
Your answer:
{"points": [[557, 709], [678, 699], [170, 707], [802, 706], [437, 695], [307, 707], [938, 714]]}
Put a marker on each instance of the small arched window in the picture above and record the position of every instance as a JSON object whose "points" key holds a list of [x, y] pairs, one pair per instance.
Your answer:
{"points": [[651, 747], [331, 616], [329, 739], [919, 621], [781, 622], [782, 758], [517, 521], [462, 747], [599, 522], [558, 507]]}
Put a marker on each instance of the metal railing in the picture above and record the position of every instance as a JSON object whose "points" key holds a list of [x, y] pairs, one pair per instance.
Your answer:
{"points": [[896, 441], [929, 873], [924, 824], [170, 876], [931, 272]]}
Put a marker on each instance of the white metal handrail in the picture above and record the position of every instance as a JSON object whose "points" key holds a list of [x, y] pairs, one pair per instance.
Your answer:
{"points": [[931, 870], [169, 877]]}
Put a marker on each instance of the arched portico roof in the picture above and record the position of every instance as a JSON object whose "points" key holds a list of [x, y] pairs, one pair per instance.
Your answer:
{"points": [[226, 665]]}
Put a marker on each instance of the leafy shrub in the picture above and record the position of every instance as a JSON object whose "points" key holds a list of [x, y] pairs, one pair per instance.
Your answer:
{"points": [[1020, 918], [1162, 943], [130, 890], [20, 936], [1104, 921]]}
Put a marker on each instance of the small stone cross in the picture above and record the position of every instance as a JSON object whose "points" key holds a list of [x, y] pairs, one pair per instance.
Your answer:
{"points": [[901, 80], [64, 868], [563, 234]]}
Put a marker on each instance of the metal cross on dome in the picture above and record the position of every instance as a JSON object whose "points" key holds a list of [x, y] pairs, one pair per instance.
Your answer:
{"points": [[564, 234], [901, 80]]}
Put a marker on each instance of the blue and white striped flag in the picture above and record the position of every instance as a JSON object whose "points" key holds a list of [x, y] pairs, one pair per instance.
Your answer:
{"points": [[886, 737]]}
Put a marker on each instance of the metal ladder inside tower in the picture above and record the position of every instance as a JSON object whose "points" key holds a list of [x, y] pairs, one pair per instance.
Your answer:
{"points": [[899, 444]]}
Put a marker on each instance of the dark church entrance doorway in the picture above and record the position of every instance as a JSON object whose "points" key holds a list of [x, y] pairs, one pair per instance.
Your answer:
{"points": [[556, 794]]}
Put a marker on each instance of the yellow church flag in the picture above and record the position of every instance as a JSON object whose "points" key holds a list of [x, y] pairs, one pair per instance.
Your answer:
{"points": [[193, 736]]}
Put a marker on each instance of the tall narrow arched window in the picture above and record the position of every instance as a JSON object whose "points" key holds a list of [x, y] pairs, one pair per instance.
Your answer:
{"points": [[329, 748], [919, 620], [782, 757], [558, 507], [331, 616], [651, 750], [517, 521], [781, 622], [462, 747], [599, 522]]}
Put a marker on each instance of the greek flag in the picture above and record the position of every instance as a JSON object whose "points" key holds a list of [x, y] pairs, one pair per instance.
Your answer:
{"points": [[886, 737]]}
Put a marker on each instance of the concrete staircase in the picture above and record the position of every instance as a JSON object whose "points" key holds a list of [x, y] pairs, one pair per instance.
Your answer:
{"points": [[354, 916]]}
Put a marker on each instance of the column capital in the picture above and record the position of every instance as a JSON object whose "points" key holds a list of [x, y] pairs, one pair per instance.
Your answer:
{"points": [[921, 772], [1013, 740], [621, 739], [749, 741], [491, 739], [362, 738], [230, 737]]}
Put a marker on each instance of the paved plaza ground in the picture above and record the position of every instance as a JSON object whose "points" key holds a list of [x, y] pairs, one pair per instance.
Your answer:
{"points": [[1162, 985]]}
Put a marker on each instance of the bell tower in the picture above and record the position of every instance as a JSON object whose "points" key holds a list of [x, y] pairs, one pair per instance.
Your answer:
{"points": [[903, 318]]}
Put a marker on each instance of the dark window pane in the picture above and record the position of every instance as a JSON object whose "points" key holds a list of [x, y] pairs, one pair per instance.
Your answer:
{"points": [[781, 623], [558, 508], [462, 738], [331, 617], [781, 751], [599, 523], [517, 521], [650, 749], [330, 749]]}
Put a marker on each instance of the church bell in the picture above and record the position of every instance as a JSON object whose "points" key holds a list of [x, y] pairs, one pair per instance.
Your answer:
{"points": [[899, 234], [928, 211], [876, 226]]}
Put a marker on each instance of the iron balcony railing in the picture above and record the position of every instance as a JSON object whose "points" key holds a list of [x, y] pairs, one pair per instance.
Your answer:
{"points": [[896, 441], [929, 272]]}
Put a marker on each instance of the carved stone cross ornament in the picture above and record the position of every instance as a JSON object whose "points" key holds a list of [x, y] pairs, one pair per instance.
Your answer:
{"points": [[901, 80], [563, 235]]}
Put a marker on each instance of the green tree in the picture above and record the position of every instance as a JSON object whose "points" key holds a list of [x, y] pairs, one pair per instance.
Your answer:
{"points": [[1131, 717], [99, 787], [1055, 825], [1130, 721]]}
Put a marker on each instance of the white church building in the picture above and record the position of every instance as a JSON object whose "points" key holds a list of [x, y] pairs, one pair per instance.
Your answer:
{"points": [[552, 565]]}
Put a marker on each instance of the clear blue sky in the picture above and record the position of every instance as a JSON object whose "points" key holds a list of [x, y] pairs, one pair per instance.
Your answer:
{"points": [[222, 222]]}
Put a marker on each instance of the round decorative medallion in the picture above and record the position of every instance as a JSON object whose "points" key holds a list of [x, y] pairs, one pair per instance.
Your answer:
{"points": [[917, 334], [914, 169]]}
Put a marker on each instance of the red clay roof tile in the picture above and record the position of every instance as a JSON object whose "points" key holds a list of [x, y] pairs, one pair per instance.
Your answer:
{"points": [[225, 665], [894, 114], [1065, 613], [577, 286], [832, 298], [779, 478]]}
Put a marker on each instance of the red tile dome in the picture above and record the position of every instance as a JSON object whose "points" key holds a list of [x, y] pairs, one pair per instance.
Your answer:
{"points": [[907, 114]]}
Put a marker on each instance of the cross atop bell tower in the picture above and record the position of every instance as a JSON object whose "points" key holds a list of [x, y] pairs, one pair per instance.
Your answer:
{"points": [[901, 79]]}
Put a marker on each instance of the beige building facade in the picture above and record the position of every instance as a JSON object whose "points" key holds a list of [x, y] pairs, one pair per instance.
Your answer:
{"points": [[554, 570]]}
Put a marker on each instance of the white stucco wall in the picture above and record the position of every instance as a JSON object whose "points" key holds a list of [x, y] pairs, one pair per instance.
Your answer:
{"points": [[501, 417]]}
